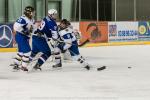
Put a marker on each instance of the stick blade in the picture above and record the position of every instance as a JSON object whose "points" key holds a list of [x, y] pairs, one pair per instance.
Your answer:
{"points": [[101, 68]]}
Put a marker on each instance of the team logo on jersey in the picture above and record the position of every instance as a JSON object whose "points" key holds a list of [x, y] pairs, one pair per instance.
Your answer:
{"points": [[6, 36]]}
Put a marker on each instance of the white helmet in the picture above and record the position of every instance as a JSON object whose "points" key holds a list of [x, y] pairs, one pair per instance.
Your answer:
{"points": [[52, 12]]}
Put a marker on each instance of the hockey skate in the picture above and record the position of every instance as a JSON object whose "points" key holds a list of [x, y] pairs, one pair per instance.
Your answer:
{"points": [[37, 67], [59, 65], [24, 69], [87, 67], [15, 67]]}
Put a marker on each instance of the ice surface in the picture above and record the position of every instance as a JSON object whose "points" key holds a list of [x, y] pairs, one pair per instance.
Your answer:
{"points": [[117, 82]]}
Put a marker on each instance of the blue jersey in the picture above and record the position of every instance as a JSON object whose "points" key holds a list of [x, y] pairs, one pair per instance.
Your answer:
{"points": [[48, 27], [24, 25]]}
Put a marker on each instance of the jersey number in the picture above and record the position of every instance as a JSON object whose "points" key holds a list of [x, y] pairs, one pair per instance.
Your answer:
{"points": [[19, 20]]}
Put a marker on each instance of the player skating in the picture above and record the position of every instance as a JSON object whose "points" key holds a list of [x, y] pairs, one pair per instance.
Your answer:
{"points": [[66, 56], [23, 27], [68, 41], [47, 29]]}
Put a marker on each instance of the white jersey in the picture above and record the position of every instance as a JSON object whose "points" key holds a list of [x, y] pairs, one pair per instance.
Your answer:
{"points": [[67, 35], [24, 25]]}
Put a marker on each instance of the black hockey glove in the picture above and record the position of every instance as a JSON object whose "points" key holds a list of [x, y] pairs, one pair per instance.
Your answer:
{"points": [[38, 33], [63, 51], [26, 32]]}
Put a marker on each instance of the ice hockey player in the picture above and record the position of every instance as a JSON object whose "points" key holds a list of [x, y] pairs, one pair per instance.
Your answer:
{"points": [[66, 56], [47, 29], [68, 41], [23, 28]]}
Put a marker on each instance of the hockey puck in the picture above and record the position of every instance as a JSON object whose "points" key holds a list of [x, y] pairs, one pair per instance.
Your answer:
{"points": [[129, 67], [101, 68]]}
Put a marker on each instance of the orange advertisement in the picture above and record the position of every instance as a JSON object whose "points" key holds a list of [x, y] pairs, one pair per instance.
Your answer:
{"points": [[95, 32]]}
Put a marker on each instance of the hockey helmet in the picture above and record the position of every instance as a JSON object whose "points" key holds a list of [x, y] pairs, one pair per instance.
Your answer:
{"points": [[64, 23], [29, 12], [52, 13]]}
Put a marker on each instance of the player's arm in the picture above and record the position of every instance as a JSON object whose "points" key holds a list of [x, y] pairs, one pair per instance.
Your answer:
{"points": [[39, 28], [54, 32], [67, 41], [20, 26]]}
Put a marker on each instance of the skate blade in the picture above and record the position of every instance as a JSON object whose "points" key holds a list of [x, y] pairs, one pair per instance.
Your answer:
{"points": [[101, 68]]}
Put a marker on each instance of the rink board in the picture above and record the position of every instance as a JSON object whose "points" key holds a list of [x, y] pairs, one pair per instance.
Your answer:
{"points": [[8, 49], [92, 45], [117, 44]]}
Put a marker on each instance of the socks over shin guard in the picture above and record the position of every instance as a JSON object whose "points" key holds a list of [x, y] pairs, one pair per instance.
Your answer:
{"points": [[43, 58], [18, 58]]}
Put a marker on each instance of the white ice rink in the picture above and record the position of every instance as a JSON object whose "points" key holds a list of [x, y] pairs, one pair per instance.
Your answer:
{"points": [[117, 82]]}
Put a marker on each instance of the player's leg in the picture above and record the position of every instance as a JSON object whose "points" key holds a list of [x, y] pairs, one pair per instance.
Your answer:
{"points": [[35, 49], [33, 54], [18, 58], [74, 51], [66, 56], [42, 60], [25, 61], [26, 49], [57, 53], [58, 62], [44, 48], [17, 61], [82, 61]]}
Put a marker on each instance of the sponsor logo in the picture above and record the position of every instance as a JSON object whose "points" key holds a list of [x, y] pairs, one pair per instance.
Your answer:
{"points": [[112, 30], [119, 31], [144, 31], [6, 36], [95, 33], [127, 33], [144, 28]]}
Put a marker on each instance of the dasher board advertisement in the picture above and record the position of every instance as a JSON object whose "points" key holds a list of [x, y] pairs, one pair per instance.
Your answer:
{"points": [[122, 31]]}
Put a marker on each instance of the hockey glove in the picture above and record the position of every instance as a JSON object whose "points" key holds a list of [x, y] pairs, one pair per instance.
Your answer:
{"points": [[63, 51], [61, 47], [26, 32], [38, 33]]}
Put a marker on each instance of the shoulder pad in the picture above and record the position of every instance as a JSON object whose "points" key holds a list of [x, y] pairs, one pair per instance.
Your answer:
{"points": [[21, 20], [47, 18], [65, 31]]}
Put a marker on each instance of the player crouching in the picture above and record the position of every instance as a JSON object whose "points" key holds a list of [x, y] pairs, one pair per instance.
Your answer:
{"points": [[68, 42]]}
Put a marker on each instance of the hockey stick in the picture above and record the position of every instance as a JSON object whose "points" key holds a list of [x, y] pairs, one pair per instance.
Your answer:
{"points": [[97, 68], [85, 42]]}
